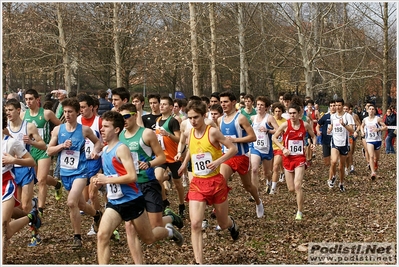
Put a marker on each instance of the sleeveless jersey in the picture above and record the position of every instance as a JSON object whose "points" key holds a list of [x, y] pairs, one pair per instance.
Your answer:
{"points": [[95, 127], [113, 167], [14, 148], [203, 152], [43, 126], [279, 138], [248, 115], [234, 130], [340, 135], [294, 140], [140, 152], [19, 135], [263, 139], [369, 127], [73, 160], [168, 146]]}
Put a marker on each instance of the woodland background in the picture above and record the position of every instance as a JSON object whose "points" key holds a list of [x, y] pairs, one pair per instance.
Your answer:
{"points": [[314, 49]]}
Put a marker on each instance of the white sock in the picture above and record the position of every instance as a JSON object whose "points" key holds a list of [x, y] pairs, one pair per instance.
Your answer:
{"points": [[170, 232], [274, 184]]}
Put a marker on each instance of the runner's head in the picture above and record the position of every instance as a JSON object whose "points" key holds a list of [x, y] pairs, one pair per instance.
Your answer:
{"points": [[112, 125], [31, 98], [196, 111], [228, 101], [129, 114]]}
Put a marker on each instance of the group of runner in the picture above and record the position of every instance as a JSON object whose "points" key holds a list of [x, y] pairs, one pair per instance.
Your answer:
{"points": [[133, 156]]}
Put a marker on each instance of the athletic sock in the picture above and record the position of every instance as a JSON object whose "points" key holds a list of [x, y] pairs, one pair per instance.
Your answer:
{"points": [[274, 184]]}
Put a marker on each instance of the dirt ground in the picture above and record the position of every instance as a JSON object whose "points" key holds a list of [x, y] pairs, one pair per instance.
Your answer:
{"points": [[366, 212]]}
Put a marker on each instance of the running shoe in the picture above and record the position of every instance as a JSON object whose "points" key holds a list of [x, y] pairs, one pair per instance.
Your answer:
{"points": [[96, 221], [204, 224], [115, 236], [177, 221], [282, 178], [182, 211], [77, 243], [352, 171], [373, 176], [177, 237], [58, 192], [260, 210], [234, 232], [217, 228], [34, 219], [251, 199], [273, 191], [36, 240], [213, 214], [331, 182], [368, 167], [92, 232], [298, 216], [268, 188], [341, 188]]}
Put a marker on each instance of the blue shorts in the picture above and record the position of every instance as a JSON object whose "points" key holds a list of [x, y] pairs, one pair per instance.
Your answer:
{"points": [[24, 175], [67, 181], [376, 144], [263, 156]]}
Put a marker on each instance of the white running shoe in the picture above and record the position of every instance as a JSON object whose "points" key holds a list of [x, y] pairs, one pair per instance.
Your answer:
{"points": [[260, 210]]}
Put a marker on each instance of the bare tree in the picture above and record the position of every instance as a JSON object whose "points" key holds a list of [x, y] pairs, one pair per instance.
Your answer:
{"points": [[194, 49], [213, 47]]}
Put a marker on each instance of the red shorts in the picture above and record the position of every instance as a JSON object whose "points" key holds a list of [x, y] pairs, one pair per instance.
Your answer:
{"points": [[239, 164], [9, 189], [278, 152], [290, 163], [212, 190]]}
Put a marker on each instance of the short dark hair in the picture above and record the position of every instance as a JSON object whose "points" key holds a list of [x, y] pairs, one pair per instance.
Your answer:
{"points": [[32, 92], [310, 101], [128, 106], [206, 99], [102, 93], [116, 118], [197, 106], [139, 96], [340, 100], [295, 106], [228, 94], [122, 92], [279, 106], [217, 107], [264, 99], [215, 95], [287, 96], [178, 101], [170, 101], [96, 102], [194, 97], [71, 102], [250, 97], [85, 98], [5, 121], [13, 102], [157, 96]]}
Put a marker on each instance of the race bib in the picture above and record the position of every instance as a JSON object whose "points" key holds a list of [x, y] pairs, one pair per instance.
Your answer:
{"points": [[295, 147], [160, 140], [135, 157], [69, 159], [199, 163], [114, 191], [225, 149], [89, 147]]}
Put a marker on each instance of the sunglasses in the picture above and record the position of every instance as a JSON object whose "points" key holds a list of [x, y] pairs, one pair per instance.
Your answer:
{"points": [[127, 116]]}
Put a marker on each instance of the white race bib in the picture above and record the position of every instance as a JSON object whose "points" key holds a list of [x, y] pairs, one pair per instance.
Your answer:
{"points": [[69, 159], [114, 191], [225, 149], [135, 157], [89, 147], [295, 147], [160, 140], [199, 163]]}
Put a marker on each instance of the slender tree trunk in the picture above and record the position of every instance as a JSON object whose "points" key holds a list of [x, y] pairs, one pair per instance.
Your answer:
{"points": [[385, 88], [241, 43], [65, 56], [214, 80], [194, 49], [307, 71], [117, 50]]}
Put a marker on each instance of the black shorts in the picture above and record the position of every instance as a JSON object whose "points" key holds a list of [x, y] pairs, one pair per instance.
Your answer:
{"points": [[152, 193], [173, 167], [343, 150], [129, 210], [326, 150]]}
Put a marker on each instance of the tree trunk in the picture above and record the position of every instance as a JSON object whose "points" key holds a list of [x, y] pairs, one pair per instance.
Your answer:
{"points": [[385, 89], [65, 56], [117, 50], [214, 80], [241, 43], [194, 49]]}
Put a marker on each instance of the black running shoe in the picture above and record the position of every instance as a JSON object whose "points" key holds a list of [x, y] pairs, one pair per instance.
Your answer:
{"points": [[177, 221], [234, 232]]}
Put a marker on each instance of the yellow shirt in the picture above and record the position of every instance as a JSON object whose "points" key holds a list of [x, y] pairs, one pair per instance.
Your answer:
{"points": [[203, 152], [280, 138]]}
